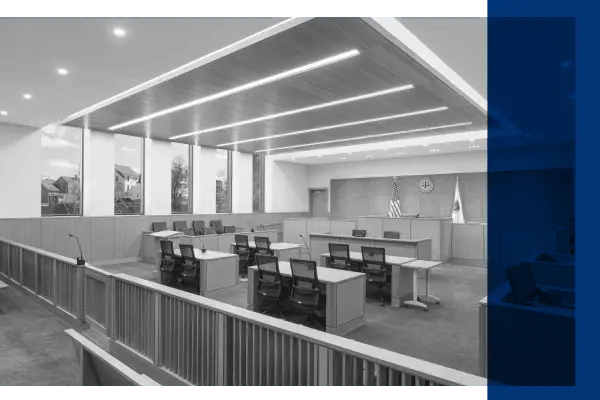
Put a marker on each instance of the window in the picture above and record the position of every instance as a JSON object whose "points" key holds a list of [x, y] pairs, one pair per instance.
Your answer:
{"points": [[61, 171], [223, 163], [258, 183], [180, 178], [129, 162]]}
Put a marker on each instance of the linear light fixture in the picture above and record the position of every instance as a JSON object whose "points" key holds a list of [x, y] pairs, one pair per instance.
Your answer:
{"points": [[297, 111], [260, 82], [395, 144], [431, 128], [324, 128]]}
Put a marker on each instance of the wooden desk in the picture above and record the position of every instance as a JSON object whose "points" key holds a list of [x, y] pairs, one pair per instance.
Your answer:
{"points": [[217, 270], [151, 244], [401, 287], [283, 251], [415, 248], [345, 308], [416, 266]]}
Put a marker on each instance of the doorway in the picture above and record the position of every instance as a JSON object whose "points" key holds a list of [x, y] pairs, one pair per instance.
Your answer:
{"points": [[318, 199]]}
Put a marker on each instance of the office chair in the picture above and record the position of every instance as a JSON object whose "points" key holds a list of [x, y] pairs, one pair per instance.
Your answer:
{"points": [[218, 225], [359, 233], [391, 235], [339, 256], [170, 264], [526, 291], [181, 226], [209, 230], [229, 229], [244, 253], [305, 292], [197, 226], [190, 267], [159, 226], [269, 283], [375, 268], [263, 245]]}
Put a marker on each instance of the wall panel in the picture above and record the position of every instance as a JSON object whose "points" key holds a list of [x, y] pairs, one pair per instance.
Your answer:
{"points": [[55, 235], [102, 235]]}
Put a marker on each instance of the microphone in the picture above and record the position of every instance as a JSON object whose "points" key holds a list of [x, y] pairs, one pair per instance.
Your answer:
{"points": [[80, 260], [263, 228], [251, 228], [307, 249], [203, 249]]}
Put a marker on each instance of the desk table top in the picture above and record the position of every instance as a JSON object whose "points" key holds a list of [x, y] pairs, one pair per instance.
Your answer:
{"points": [[275, 246], [325, 275], [422, 264], [209, 255], [392, 260]]}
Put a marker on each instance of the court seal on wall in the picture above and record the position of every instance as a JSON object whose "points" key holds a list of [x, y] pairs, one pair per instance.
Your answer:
{"points": [[426, 185]]}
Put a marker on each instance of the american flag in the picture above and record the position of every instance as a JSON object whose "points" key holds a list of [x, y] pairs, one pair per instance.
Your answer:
{"points": [[395, 202]]}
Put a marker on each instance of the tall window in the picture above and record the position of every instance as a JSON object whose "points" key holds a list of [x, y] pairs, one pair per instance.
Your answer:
{"points": [[180, 178], [61, 171], [129, 162], [223, 163], [258, 183]]}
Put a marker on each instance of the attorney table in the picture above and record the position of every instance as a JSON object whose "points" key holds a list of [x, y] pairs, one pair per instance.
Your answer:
{"points": [[345, 297], [283, 251], [416, 266], [217, 270]]}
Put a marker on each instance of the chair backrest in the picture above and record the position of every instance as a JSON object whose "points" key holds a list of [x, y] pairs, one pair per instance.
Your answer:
{"points": [[359, 233], [268, 268], [262, 244], [166, 247], [373, 258], [339, 255], [198, 226], [187, 252], [179, 226], [391, 235], [522, 282], [217, 224], [229, 229], [208, 230], [304, 273], [159, 226], [241, 240]]}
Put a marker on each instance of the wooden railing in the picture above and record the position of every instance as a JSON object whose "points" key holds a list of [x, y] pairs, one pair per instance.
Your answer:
{"points": [[205, 342]]}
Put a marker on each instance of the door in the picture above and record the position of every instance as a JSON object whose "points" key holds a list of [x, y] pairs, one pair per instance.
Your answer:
{"points": [[318, 203]]}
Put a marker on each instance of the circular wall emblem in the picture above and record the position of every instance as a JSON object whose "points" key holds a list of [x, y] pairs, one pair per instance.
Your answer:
{"points": [[426, 185]]}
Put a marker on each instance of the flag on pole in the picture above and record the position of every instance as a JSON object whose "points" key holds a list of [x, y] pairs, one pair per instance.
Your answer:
{"points": [[395, 202], [457, 212]]}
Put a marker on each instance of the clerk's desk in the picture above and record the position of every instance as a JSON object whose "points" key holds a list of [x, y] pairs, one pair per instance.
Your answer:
{"points": [[415, 248], [216, 242], [217, 270], [283, 251], [345, 296]]}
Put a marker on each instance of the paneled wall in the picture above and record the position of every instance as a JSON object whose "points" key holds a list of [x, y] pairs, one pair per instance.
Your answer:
{"points": [[351, 198], [105, 238], [286, 186]]}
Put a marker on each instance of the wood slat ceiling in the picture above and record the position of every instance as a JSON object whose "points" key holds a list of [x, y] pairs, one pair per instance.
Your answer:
{"points": [[379, 66]]}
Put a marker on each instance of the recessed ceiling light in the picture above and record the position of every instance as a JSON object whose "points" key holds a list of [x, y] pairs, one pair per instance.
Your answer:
{"points": [[260, 82], [369, 136], [62, 71], [119, 32], [27, 96], [298, 111], [324, 128], [3, 113]]}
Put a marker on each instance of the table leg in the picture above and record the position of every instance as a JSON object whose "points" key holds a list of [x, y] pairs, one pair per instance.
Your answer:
{"points": [[415, 301], [428, 296]]}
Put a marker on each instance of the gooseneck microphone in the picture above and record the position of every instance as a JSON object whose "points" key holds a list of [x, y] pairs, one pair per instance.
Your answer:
{"points": [[263, 228], [203, 249], [306, 246], [80, 260]]}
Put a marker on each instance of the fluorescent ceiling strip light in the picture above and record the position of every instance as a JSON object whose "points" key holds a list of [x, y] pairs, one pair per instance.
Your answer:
{"points": [[368, 136], [386, 145], [324, 128], [297, 111], [248, 86]]}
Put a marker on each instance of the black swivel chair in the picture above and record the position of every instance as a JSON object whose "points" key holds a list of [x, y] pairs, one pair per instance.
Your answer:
{"points": [[209, 230], [263, 245], [181, 226], [270, 284], [375, 268], [229, 229], [170, 264], [159, 226], [359, 233], [190, 268], [391, 235], [244, 253], [305, 291], [197, 226], [339, 256], [218, 225]]}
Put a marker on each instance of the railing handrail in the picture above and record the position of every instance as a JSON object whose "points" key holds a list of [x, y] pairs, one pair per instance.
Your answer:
{"points": [[41, 252], [370, 353]]}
